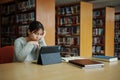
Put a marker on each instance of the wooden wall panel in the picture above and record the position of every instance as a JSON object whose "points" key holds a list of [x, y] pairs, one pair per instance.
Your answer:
{"points": [[86, 29], [45, 13], [109, 32]]}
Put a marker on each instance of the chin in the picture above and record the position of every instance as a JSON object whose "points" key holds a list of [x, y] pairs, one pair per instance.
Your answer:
{"points": [[35, 39]]}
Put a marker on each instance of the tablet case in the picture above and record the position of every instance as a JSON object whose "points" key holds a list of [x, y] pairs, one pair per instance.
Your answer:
{"points": [[49, 55]]}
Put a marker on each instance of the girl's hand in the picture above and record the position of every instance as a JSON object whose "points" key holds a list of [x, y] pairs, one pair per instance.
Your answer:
{"points": [[44, 34]]}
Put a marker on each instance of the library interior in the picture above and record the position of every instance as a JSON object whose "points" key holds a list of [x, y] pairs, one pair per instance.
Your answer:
{"points": [[86, 31]]}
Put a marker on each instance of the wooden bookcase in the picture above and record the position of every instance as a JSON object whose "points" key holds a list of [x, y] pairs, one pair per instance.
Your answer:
{"points": [[7, 23], [74, 29], [16, 15], [103, 31], [117, 35]]}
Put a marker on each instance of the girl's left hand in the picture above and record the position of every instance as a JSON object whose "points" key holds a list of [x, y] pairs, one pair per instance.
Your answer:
{"points": [[44, 34]]}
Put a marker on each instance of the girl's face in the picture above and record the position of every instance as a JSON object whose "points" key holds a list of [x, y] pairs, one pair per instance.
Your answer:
{"points": [[36, 35]]}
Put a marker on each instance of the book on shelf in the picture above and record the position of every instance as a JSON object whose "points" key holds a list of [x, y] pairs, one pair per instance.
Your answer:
{"points": [[98, 40], [25, 5], [98, 13], [86, 63], [69, 41], [69, 10], [69, 20], [70, 51], [105, 58], [9, 9], [98, 31], [23, 30], [74, 30], [117, 17], [25, 17]]}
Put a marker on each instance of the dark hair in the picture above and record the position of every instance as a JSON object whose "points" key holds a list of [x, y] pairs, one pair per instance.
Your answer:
{"points": [[35, 26]]}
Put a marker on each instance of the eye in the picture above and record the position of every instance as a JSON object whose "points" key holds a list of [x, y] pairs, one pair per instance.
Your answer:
{"points": [[41, 34], [38, 34]]}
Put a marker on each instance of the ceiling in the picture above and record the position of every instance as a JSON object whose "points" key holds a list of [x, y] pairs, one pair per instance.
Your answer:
{"points": [[96, 3]]}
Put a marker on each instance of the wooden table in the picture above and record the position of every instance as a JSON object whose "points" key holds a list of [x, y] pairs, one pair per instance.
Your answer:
{"points": [[61, 71]]}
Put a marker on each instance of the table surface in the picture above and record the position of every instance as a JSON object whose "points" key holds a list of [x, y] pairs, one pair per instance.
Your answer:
{"points": [[60, 71]]}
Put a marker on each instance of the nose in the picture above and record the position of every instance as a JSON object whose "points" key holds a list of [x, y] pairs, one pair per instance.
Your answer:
{"points": [[39, 37]]}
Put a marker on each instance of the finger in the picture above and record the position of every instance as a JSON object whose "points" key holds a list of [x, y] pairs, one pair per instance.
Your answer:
{"points": [[44, 34]]}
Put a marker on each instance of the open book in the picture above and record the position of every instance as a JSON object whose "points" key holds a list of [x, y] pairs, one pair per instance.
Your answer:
{"points": [[66, 59], [86, 63]]}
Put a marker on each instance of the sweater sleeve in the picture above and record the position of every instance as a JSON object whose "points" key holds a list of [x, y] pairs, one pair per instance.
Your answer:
{"points": [[42, 42], [21, 50]]}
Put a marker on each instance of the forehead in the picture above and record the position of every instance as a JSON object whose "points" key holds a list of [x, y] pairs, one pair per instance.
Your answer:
{"points": [[38, 31]]}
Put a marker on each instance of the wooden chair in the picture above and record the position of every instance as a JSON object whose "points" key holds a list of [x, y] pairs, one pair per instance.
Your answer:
{"points": [[6, 54]]}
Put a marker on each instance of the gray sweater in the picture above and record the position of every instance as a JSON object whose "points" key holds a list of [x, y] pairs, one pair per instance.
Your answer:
{"points": [[25, 51]]}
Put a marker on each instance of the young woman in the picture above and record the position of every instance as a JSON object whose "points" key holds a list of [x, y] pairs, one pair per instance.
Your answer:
{"points": [[26, 48]]}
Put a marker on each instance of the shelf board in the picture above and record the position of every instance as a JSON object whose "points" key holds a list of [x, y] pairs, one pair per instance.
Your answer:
{"points": [[98, 54], [26, 10], [77, 24], [67, 35], [99, 17], [69, 15], [98, 44], [7, 14], [68, 46], [102, 35], [98, 26]]}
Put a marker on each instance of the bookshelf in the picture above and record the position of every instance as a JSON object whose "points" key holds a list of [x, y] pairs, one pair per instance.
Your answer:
{"points": [[25, 13], [7, 23], [103, 31], [74, 29], [117, 35], [16, 15]]}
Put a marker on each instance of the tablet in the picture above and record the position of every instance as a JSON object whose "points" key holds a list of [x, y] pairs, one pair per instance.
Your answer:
{"points": [[49, 55]]}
